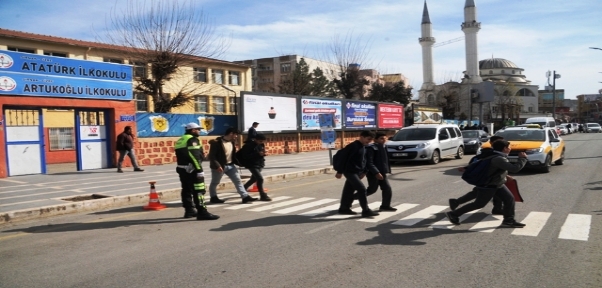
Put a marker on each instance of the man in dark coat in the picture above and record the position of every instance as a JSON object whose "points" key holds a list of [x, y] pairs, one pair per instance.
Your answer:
{"points": [[125, 146], [252, 134], [252, 157], [378, 168]]}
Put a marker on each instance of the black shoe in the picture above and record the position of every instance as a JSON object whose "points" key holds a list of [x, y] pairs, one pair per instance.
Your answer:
{"points": [[190, 213], [216, 200], [369, 213], [496, 211], [453, 204], [265, 197], [248, 199], [387, 208], [138, 169], [205, 215], [347, 212], [119, 171], [453, 219], [513, 224]]}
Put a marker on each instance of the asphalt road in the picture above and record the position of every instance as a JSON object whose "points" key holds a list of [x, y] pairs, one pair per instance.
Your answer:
{"points": [[287, 243]]}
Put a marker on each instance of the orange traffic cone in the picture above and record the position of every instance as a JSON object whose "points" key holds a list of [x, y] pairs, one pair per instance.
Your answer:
{"points": [[254, 189], [153, 201]]}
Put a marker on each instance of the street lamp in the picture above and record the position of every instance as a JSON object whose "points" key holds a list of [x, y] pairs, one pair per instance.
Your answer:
{"points": [[235, 102], [556, 76]]}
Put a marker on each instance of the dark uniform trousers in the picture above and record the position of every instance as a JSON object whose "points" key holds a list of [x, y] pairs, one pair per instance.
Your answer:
{"points": [[193, 190], [385, 187], [484, 195], [256, 177], [353, 183]]}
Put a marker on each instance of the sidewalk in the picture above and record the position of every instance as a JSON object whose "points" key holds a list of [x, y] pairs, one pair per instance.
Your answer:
{"points": [[34, 196]]}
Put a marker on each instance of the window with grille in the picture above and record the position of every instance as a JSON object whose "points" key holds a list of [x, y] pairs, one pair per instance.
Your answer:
{"points": [[218, 104], [234, 78], [141, 102], [218, 76], [61, 139], [200, 74], [200, 104], [139, 69]]}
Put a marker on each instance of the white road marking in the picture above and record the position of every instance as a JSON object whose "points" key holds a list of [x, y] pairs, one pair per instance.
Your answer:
{"points": [[445, 224], [384, 215], [281, 204], [304, 206], [372, 206], [535, 222], [576, 227], [255, 203], [488, 224], [420, 215], [12, 181], [321, 210]]}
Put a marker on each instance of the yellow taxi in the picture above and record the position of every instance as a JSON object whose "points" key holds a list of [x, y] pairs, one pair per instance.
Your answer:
{"points": [[542, 145]]}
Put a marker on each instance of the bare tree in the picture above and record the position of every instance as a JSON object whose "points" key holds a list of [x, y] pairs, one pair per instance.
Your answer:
{"points": [[166, 35], [448, 98], [506, 100]]}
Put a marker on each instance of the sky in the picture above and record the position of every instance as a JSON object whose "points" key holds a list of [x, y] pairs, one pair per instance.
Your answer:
{"points": [[537, 35]]}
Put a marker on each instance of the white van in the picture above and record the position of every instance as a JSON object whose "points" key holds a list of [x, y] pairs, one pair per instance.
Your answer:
{"points": [[542, 121]]}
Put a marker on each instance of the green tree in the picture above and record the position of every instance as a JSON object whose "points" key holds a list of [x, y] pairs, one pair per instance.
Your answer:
{"points": [[351, 84], [395, 92], [320, 85], [298, 82]]}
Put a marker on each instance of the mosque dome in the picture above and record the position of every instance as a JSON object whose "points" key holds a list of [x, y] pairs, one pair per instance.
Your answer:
{"points": [[496, 63]]}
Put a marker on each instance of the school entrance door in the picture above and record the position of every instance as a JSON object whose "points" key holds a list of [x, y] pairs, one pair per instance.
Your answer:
{"points": [[24, 141], [91, 133]]}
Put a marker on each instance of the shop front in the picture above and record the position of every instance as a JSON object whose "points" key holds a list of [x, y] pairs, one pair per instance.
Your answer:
{"points": [[58, 110]]}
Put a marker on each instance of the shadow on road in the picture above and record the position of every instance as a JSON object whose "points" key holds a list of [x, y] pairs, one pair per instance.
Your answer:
{"points": [[73, 227], [279, 220]]}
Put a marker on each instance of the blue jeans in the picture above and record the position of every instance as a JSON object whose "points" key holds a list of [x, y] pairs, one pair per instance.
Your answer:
{"points": [[234, 176], [130, 153]]}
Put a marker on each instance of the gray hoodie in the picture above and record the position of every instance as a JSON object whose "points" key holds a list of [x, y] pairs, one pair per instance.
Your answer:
{"points": [[500, 166]]}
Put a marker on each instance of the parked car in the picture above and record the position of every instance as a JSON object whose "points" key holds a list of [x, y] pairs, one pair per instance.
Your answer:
{"points": [[563, 129], [593, 128], [569, 130], [473, 139], [426, 142]]}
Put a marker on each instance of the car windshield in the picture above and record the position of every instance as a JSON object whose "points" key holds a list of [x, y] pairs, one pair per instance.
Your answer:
{"points": [[539, 123], [470, 134], [593, 125], [415, 134], [523, 135]]}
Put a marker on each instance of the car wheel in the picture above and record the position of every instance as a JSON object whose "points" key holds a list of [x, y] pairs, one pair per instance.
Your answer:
{"points": [[460, 153], [435, 158], [547, 164], [561, 160]]}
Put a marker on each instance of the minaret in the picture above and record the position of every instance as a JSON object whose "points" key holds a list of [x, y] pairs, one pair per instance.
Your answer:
{"points": [[471, 27], [426, 41]]}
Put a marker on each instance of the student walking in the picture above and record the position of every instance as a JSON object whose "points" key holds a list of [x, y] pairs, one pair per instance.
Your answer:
{"points": [[252, 156], [352, 165], [252, 134], [378, 168], [222, 160], [125, 146], [497, 173], [189, 155]]}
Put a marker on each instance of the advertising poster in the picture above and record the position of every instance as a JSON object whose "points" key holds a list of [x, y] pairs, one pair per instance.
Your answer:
{"points": [[312, 108], [360, 115], [273, 113], [390, 116], [427, 114], [172, 125]]}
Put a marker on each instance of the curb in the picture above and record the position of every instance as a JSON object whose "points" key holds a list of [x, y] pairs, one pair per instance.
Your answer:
{"points": [[12, 217]]}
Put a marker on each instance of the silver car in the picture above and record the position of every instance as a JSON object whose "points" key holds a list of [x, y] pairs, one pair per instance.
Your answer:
{"points": [[593, 128], [426, 142]]}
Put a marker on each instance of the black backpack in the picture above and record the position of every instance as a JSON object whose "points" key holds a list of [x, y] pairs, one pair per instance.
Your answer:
{"points": [[339, 159], [477, 172]]}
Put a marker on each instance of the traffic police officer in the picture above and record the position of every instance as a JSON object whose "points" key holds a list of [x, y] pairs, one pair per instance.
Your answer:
{"points": [[189, 154]]}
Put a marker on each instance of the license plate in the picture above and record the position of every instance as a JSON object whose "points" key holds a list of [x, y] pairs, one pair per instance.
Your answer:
{"points": [[400, 154]]}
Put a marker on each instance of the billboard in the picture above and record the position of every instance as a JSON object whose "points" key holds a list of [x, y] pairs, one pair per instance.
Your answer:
{"points": [[312, 108], [273, 113], [427, 114], [360, 114], [40, 75], [390, 116], [172, 125]]}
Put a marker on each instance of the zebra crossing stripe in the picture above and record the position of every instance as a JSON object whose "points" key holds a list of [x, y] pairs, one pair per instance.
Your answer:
{"points": [[372, 206], [535, 222], [255, 203], [281, 204], [488, 224], [420, 215], [321, 210], [384, 215], [576, 227], [445, 224], [304, 206]]}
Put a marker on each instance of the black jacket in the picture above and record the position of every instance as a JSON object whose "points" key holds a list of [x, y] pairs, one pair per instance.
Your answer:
{"points": [[252, 134], [217, 154], [377, 160], [124, 142], [250, 155], [356, 158]]}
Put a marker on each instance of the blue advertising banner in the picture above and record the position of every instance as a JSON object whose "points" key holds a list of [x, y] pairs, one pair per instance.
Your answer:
{"points": [[360, 115], [55, 86], [312, 108], [172, 125], [60, 66]]}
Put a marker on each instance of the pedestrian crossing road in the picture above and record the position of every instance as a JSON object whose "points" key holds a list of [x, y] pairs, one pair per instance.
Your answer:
{"points": [[575, 227]]}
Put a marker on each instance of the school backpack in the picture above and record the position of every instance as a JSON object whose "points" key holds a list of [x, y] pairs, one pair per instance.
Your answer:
{"points": [[477, 172], [339, 160]]}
